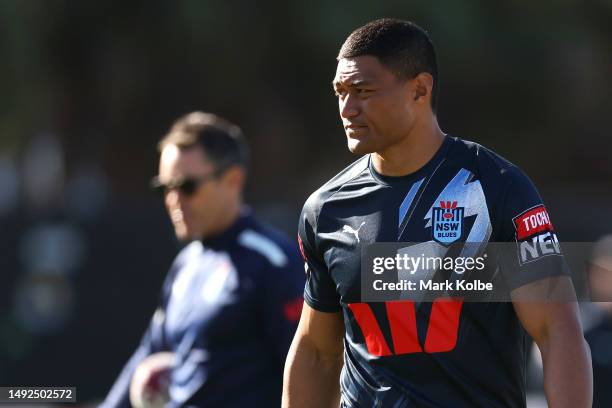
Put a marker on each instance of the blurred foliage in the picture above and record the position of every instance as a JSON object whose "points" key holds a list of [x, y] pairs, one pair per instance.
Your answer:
{"points": [[109, 77], [529, 79]]}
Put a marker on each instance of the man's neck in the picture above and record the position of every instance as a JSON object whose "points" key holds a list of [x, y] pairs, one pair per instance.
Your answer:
{"points": [[412, 153], [226, 221]]}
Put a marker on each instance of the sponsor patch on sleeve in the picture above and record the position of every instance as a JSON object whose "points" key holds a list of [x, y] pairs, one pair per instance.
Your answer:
{"points": [[535, 235], [531, 222]]}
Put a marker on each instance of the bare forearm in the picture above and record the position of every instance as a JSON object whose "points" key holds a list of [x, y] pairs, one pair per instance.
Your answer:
{"points": [[557, 330], [568, 374], [311, 379]]}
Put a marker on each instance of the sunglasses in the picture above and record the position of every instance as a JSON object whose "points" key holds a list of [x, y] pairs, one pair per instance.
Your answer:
{"points": [[185, 185]]}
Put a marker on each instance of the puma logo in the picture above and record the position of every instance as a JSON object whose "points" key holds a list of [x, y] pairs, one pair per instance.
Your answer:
{"points": [[351, 230]]}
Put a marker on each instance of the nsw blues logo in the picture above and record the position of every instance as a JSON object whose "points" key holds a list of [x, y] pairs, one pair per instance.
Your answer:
{"points": [[447, 222]]}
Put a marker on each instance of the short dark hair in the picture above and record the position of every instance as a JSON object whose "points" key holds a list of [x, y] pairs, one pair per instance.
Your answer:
{"points": [[223, 142], [401, 46]]}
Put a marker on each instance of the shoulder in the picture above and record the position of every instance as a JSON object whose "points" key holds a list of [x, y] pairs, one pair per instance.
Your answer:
{"points": [[189, 252], [316, 200], [491, 166], [483, 156], [268, 244], [509, 192]]}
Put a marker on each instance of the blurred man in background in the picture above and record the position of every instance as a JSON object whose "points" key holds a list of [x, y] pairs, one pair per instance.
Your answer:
{"points": [[446, 353], [599, 334], [231, 300]]}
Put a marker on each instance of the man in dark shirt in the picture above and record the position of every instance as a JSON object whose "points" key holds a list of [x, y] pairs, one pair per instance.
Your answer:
{"points": [[232, 298], [416, 184], [599, 335]]}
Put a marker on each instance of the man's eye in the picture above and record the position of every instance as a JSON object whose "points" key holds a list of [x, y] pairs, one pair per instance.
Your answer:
{"points": [[363, 91]]}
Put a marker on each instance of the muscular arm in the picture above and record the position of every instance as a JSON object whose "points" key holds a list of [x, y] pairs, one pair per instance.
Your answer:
{"points": [[555, 327], [314, 361]]}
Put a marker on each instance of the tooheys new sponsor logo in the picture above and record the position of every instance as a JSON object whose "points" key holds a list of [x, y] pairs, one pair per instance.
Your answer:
{"points": [[535, 235]]}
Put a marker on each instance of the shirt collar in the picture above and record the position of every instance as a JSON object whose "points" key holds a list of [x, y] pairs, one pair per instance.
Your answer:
{"points": [[228, 236]]}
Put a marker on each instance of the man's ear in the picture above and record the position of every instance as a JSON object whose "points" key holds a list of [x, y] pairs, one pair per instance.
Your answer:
{"points": [[423, 86], [235, 177]]}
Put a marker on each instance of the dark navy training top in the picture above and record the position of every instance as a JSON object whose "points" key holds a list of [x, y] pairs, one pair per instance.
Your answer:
{"points": [[229, 309], [440, 353]]}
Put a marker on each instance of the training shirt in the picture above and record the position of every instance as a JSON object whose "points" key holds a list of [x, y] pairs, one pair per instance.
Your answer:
{"points": [[428, 354], [229, 309]]}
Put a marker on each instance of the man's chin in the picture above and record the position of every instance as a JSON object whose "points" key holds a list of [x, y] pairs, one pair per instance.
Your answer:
{"points": [[185, 234], [359, 147], [181, 236]]}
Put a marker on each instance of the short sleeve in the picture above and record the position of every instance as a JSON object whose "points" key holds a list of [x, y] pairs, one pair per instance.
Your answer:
{"points": [[535, 252], [320, 290]]}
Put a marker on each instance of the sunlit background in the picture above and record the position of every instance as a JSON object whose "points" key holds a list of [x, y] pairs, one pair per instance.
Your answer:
{"points": [[87, 89]]}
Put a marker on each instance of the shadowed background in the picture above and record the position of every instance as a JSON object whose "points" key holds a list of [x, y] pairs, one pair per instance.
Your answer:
{"points": [[88, 88]]}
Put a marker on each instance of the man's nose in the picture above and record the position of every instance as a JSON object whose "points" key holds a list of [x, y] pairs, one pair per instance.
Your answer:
{"points": [[172, 197], [349, 107]]}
